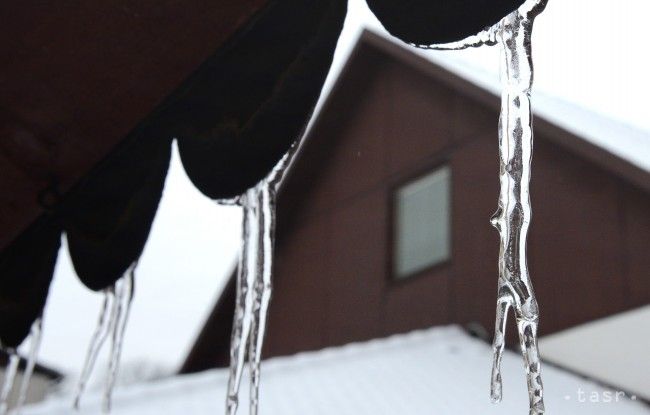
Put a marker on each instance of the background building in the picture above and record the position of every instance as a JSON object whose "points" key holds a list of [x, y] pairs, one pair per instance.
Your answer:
{"points": [[383, 221]]}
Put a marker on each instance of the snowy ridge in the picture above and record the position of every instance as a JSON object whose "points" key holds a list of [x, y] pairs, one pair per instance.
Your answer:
{"points": [[625, 141], [436, 371]]}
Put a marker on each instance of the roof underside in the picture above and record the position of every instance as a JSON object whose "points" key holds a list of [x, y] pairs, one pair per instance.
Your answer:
{"points": [[234, 117], [78, 77]]}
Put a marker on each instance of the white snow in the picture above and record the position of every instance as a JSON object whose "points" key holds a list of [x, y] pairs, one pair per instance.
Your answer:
{"points": [[623, 140], [617, 352], [437, 371]]}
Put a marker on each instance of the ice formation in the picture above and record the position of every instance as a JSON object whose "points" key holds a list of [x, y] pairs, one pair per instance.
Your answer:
{"points": [[11, 371], [254, 283], [95, 345], [513, 33], [512, 218], [34, 345], [10, 376], [113, 318], [120, 316]]}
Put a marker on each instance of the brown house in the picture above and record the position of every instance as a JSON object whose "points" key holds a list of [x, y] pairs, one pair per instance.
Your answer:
{"points": [[383, 221]]}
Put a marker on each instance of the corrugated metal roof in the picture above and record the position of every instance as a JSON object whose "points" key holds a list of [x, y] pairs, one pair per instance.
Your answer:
{"points": [[436, 371]]}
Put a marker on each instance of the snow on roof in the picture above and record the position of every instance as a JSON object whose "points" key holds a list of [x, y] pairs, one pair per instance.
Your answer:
{"points": [[627, 142], [605, 338], [623, 140], [436, 371]]}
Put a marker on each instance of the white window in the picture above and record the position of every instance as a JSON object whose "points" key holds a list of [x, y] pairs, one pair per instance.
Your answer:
{"points": [[422, 223]]}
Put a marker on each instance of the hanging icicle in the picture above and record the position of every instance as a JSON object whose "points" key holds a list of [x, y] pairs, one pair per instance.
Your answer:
{"points": [[513, 215], [113, 318], [512, 218], [254, 282], [123, 299], [95, 345], [34, 345], [9, 379]]}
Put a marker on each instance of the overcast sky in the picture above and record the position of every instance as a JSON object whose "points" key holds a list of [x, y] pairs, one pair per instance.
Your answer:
{"points": [[588, 52]]}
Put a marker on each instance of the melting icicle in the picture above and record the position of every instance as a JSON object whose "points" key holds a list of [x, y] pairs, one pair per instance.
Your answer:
{"points": [[262, 285], [97, 340], [515, 290], [113, 318], [10, 377], [254, 282], [513, 215], [123, 299], [34, 344], [243, 304]]}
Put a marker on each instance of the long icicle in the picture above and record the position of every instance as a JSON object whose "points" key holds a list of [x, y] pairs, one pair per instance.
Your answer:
{"points": [[34, 345], [243, 307], [254, 281], [513, 215], [124, 299], [512, 219], [9, 379], [262, 286], [96, 341]]}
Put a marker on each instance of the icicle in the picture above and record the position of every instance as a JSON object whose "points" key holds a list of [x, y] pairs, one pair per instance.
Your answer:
{"points": [[262, 285], [10, 377], [487, 37], [254, 282], [243, 307], [113, 318], [515, 290], [34, 344], [123, 299], [96, 342], [513, 215]]}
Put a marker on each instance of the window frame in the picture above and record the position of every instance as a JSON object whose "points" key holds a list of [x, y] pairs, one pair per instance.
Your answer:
{"points": [[393, 193]]}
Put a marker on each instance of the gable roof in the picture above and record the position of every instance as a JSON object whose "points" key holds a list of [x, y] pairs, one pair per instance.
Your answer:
{"points": [[614, 146]]}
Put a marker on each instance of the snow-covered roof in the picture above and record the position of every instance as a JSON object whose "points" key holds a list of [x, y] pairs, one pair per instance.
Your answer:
{"points": [[605, 358], [625, 141], [436, 371]]}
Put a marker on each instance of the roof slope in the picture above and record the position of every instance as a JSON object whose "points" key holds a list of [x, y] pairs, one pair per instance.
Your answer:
{"points": [[622, 140], [441, 370], [617, 147]]}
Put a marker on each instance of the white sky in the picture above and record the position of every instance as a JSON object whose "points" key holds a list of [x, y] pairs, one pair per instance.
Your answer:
{"points": [[588, 52]]}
